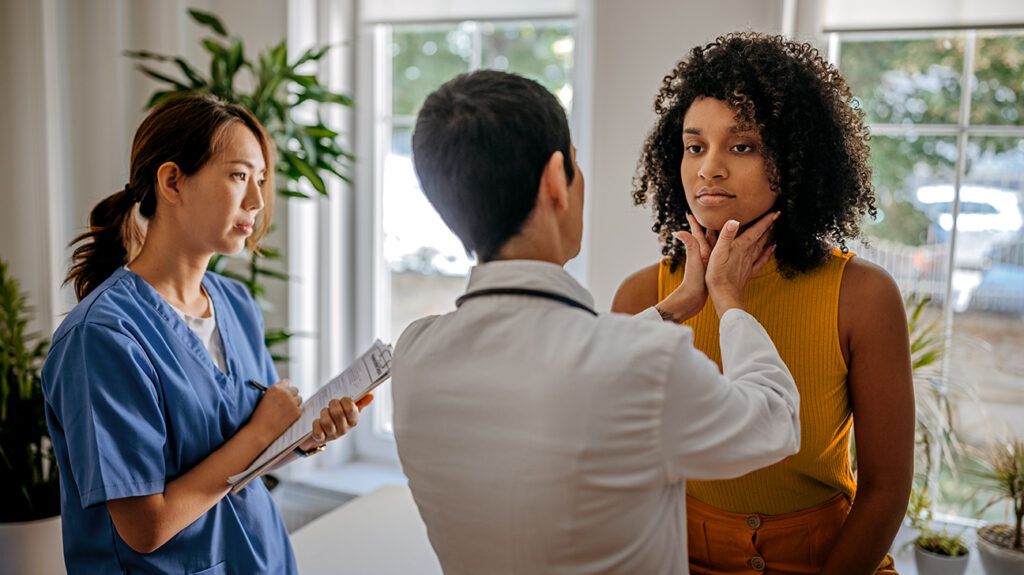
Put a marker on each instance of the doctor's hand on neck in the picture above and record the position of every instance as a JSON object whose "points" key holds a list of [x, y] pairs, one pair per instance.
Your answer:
{"points": [[735, 259], [688, 299], [719, 265]]}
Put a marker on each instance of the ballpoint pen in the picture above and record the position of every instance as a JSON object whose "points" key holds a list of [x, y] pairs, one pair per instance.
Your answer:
{"points": [[257, 385]]}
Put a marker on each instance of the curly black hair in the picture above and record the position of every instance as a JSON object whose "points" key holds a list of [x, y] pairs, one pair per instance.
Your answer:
{"points": [[814, 140]]}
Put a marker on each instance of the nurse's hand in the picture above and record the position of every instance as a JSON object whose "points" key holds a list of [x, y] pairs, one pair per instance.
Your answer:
{"points": [[278, 409], [335, 420]]}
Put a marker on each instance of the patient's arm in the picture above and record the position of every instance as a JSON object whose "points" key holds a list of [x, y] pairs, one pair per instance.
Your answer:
{"points": [[873, 331]]}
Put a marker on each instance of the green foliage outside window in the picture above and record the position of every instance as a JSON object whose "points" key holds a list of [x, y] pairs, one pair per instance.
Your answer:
{"points": [[913, 82], [423, 58]]}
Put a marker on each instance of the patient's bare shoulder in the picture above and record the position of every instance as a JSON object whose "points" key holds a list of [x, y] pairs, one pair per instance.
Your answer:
{"points": [[637, 292]]}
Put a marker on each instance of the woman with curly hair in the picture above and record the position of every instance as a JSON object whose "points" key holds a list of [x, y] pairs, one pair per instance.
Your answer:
{"points": [[750, 125]]}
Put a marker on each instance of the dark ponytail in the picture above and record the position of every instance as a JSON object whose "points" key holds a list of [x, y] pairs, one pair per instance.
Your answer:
{"points": [[104, 249], [186, 131]]}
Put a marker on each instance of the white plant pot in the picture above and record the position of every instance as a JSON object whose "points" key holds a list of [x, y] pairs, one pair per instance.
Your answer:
{"points": [[929, 563], [999, 560], [32, 547]]}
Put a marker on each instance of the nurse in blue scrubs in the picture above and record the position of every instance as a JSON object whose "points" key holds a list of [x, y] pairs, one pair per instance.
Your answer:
{"points": [[146, 384]]}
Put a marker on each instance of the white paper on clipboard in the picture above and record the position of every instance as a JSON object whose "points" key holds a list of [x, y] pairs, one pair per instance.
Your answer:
{"points": [[362, 376]]}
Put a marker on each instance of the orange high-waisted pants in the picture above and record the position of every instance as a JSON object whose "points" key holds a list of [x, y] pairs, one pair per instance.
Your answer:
{"points": [[723, 543]]}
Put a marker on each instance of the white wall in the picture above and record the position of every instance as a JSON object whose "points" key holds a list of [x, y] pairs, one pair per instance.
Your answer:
{"points": [[68, 110], [24, 239], [635, 45], [846, 14], [426, 10]]}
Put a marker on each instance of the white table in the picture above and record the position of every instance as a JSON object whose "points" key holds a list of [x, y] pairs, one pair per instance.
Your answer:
{"points": [[377, 534]]}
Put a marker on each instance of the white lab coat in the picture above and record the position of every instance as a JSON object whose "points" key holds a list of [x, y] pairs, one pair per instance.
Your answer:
{"points": [[539, 439]]}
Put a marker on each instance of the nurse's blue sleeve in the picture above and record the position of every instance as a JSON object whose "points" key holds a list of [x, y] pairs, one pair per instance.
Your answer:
{"points": [[112, 415]]}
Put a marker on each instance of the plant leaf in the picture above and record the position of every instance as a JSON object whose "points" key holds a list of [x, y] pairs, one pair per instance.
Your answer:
{"points": [[146, 55], [279, 55], [208, 20], [235, 58], [160, 77], [162, 95], [215, 48], [275, 336], [307, 172], [318, 93], [304, 80], [195, 77], [321, 131], [312, 54]]}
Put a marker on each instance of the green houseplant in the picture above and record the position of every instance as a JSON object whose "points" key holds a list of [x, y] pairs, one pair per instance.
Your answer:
{"points": [[937, 445], [935, 552], [30, 523], [306, 150], [1000, 471], [29, 485], [936, 441]]}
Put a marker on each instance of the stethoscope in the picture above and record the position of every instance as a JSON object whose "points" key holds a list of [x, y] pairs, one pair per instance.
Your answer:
{"points": [[525, 292]]}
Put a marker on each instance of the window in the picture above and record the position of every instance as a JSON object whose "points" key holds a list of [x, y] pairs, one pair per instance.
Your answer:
{"points": [[946, 111], [424, 267]]}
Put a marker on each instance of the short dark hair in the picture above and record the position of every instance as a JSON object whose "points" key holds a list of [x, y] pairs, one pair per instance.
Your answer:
{"points": [[480, 145], [815, 143]]}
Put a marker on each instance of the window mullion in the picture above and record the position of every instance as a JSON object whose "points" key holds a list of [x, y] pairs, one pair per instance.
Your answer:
{"points": [[476, 61], [918, 129], [963, 123]]}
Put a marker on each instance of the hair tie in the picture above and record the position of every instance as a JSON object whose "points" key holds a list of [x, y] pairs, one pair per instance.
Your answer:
{"points": [[132, 194]]}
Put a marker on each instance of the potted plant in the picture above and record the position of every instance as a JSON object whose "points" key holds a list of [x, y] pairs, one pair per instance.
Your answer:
{"points": [[29, 484], [1001, 472], [935, 552]]}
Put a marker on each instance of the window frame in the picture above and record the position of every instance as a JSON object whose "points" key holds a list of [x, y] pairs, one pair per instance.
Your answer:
{"points": [[963, 130], [374, 442]]}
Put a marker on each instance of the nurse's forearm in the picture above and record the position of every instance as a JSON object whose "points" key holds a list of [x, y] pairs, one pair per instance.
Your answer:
{"points": [[146, 523]]}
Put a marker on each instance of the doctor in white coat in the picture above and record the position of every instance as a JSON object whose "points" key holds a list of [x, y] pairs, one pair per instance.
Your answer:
{"points": [[539, 436]]}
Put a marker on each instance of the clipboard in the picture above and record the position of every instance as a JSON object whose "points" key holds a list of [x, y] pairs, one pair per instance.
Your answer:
{"points": [[360, 378]]}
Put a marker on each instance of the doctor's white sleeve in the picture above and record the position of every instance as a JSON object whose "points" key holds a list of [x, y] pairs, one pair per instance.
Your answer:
{"points": [[717, 426]]}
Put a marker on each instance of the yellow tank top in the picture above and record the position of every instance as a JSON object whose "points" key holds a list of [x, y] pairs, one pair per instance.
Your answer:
{"points": [[801, 316]]}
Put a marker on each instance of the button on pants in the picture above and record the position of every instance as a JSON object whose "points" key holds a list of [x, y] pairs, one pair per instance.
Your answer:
{"points": [[723, 543]]}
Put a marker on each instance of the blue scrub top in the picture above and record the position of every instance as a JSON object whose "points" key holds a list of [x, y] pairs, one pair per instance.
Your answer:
{"points": [[134, 400]]}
